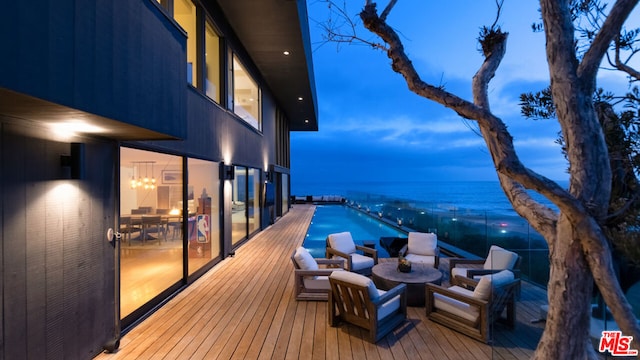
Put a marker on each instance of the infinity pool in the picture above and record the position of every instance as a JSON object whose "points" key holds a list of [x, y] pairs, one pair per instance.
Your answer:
{"points": [[329, 219]]}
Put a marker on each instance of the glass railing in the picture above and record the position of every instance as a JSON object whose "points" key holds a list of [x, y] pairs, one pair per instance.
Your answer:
{"points": [[472, 231]]}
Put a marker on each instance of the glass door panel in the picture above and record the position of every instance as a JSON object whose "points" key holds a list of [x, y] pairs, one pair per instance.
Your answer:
{"points": [[150, 199], [253, 202], [203, 225], [239, 206]]}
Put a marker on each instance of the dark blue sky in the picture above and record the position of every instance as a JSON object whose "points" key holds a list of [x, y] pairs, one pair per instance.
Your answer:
{"points": [[372, 128]]}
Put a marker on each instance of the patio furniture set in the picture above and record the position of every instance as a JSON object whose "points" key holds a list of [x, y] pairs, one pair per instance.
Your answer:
{"points": [[374, 295]]}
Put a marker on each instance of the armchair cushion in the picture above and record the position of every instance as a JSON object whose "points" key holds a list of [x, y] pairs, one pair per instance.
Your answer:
{"points": [[304, 259], [359, 280], [456, 307], [422, 243], [342, 242], [483, 289], [499, 258], [459, 271], [428, 260], [388, 307], [360, 262], [317, 282]]}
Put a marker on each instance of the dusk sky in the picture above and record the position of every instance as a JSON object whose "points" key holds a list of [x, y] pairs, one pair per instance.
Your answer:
{"points": [[372, 128]]}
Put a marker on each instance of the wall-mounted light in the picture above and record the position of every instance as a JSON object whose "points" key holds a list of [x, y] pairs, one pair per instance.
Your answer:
{"points": [[229, 172], [268, 176], [72, 166]]}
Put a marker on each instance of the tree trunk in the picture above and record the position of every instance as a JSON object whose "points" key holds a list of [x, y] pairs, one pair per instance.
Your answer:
{"points": [[578, 250], [566, 335]]}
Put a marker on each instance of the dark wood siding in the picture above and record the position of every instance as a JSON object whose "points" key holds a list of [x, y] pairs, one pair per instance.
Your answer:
{"points": [[57, 266], [120, 59]]}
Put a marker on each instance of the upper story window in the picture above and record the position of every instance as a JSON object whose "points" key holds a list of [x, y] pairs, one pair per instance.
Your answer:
{"points": [[246, 95], [212, 63], [184, 12]]}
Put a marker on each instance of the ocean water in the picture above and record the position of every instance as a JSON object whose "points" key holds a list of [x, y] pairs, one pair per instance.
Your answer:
{"points": [[442, 195]]}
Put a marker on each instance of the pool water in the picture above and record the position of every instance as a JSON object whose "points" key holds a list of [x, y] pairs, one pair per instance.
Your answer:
{"points": [[329, 219]]}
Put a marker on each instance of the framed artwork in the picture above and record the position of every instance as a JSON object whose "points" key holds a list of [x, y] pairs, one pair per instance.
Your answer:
{"points": [[171, 177]]}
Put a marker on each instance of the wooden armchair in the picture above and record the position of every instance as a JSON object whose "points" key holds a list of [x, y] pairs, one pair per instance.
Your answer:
{"points": [[311, 281], [342, 246], [355, 299], [472, 312], [497, 260], [422, 248]]}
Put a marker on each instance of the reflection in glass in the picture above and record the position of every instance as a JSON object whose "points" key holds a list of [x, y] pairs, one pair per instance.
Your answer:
{"points": [[203, 227], [212, 63], [150, 253], [253, 210], [239, 206], [285, 193], [246, 95], [185, 15]]}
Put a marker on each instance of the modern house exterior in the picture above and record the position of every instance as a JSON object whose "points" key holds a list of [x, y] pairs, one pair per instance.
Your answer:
{"points": [[141, 143]]}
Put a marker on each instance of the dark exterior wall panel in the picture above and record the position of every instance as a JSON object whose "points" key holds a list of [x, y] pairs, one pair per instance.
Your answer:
{"points": [[120, 59], [57, 267]]}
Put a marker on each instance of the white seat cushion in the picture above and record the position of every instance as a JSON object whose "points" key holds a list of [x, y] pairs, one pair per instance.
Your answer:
{"points": [[483, 289], [342, 242], [455, 307], [459, 271], [304, 259], [357, 279], [317, 283], [422, 259], [388, 307], [422, 243], [500, 259], [360, 262]]}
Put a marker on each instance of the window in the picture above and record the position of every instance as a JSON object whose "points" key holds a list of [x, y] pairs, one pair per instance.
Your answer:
{"points": [[151, 203], [246, 95], [203, 224], [212, 63], [253, 201], [239, 206], [185, 15], [285, 194]]}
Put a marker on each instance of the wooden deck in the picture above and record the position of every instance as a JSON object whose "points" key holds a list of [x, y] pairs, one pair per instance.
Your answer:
{"points": [[245, 308]]}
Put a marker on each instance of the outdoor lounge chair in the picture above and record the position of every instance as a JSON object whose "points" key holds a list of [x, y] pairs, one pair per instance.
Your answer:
{"points": [[312, 282], [422, 248], [341, 245], [472, 312], [497, 260], [355, 299]]}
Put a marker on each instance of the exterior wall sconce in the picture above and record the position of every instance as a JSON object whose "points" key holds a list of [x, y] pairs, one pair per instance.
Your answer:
{"points": [[72, 166], [268, 176], [229, 172]]}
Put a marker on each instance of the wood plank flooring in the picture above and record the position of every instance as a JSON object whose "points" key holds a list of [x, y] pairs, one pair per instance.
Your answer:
{"points": [[244, 308]]}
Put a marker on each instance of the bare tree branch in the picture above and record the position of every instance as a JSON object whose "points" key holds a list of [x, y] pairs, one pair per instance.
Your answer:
{"points": [[386, 11], [622, 66], [611, 27]]}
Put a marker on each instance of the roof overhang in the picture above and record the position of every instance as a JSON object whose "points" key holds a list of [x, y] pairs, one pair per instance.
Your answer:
{"points": [[63, 121], [267, 29]]}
